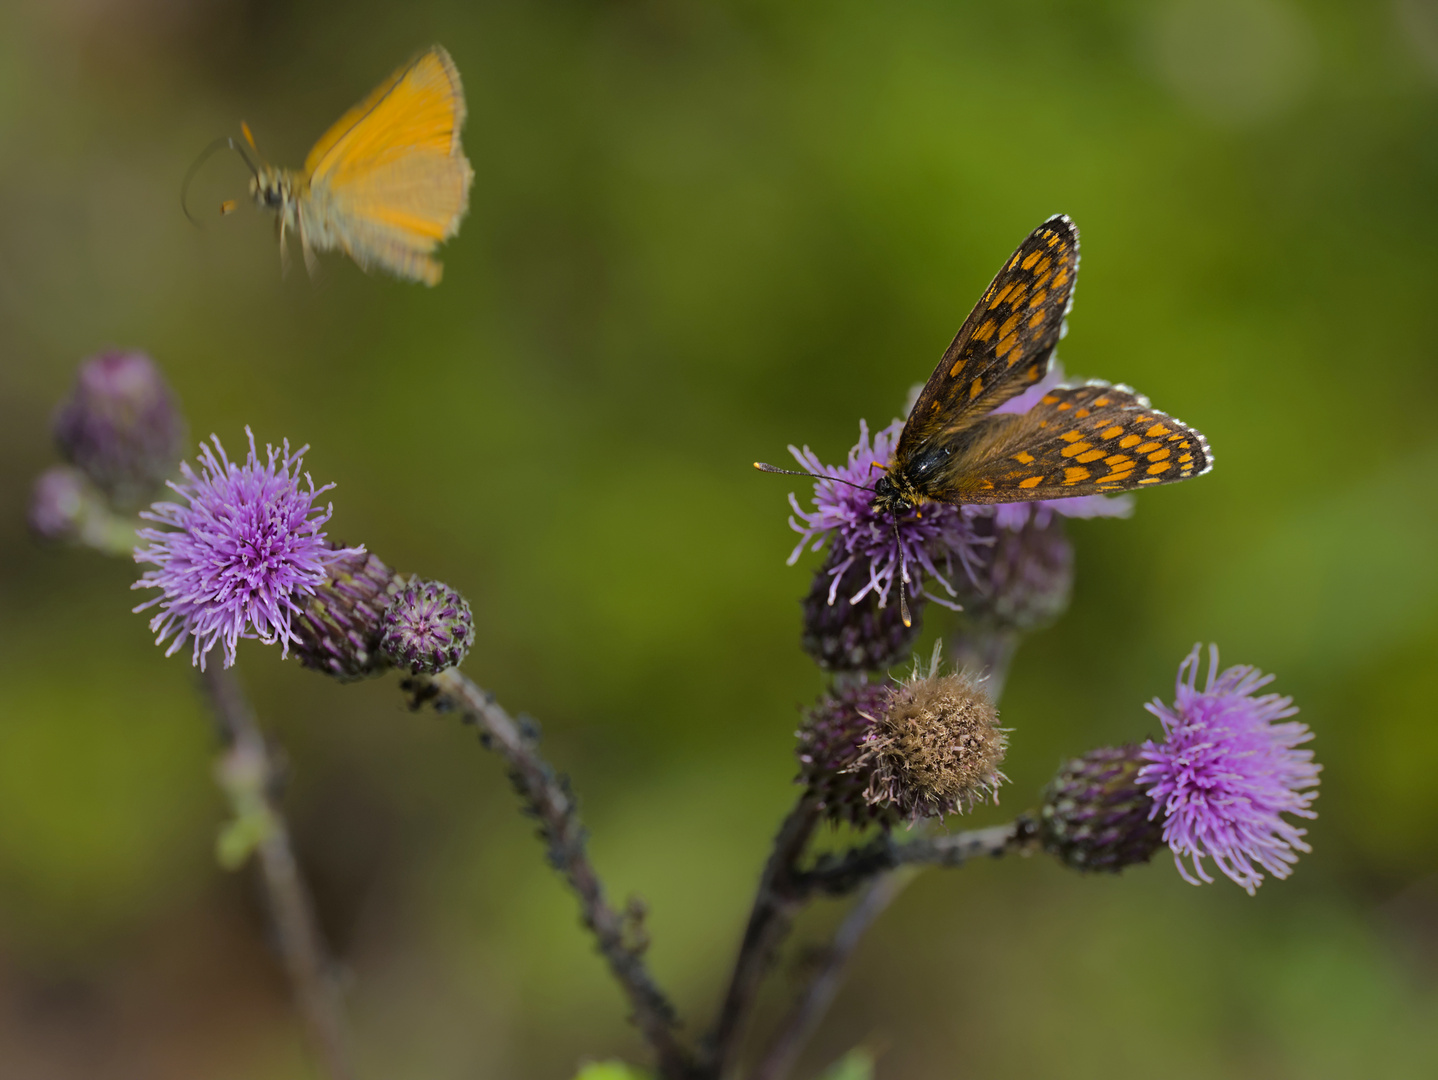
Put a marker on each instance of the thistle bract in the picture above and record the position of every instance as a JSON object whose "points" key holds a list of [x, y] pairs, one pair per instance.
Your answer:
{"points": [[1095, 816], [340, 626], [427, 627]]}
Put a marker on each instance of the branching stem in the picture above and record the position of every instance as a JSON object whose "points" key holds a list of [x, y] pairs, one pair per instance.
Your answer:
{"points": [[301, 946], [547, 796]]}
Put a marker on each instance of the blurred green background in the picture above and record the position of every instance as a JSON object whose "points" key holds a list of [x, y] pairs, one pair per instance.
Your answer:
{"points": [[700, 231]]}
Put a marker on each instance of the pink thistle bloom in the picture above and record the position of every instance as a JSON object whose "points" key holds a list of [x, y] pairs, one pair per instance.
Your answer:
{"points": [[1226, 773], [242, 552]]}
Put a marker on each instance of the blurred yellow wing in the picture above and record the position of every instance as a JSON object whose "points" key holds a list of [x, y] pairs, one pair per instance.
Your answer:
{"points": [[390, 179]]}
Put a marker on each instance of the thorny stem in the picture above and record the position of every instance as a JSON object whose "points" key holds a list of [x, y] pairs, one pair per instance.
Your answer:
{"points": [[548, 798], [779, 897], [808, 1012], [301, 946]]}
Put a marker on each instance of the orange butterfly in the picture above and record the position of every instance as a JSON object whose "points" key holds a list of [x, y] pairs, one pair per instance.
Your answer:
{"points": [[387, 184]]}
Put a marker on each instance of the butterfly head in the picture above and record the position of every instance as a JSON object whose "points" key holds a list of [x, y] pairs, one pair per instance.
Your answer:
{"points": [[895, 494], [274, 189]]}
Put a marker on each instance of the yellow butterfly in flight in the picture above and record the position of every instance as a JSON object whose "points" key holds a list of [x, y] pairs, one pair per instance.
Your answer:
{"points": [[387, 184]]}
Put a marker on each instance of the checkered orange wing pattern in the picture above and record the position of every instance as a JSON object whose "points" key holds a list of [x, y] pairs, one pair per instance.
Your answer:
{"points": [[1005, 344], [1086, 440]]}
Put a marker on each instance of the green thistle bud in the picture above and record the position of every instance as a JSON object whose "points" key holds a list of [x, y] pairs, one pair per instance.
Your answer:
{"points": [[427, 627]]}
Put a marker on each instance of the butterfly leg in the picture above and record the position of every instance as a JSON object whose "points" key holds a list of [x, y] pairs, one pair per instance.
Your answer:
{"points": [[312, 261], [284, 250]]}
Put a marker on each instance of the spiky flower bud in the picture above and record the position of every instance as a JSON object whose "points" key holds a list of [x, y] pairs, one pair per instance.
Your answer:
{"points": [[831, 743], [339, 628], [1095, 816], [937, 746], [427, 627], [845, 636], [121, 426]]}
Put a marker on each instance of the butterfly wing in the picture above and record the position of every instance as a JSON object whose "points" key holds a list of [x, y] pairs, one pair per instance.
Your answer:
{"points": [[1085, 440], [1005, 344], [390, 177]]}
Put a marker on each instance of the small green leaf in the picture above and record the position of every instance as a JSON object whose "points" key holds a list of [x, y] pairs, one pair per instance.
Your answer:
{"points": [[857, 1064], [239, 838], [610, 1070]]}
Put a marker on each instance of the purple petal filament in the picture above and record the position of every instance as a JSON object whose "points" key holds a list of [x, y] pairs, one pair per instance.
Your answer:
{"points": [[241, 551], [928, 539], [1226, 773]]}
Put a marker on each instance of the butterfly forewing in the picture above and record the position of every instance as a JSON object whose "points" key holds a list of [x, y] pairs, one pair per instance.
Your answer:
{"points": [[1004, 345], [419, 107], [1085, 440], [391, 174]]}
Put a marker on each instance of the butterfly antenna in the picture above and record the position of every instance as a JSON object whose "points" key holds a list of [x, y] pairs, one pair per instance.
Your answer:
{"points": [[226, 143], [764, 467], [903, 572]]}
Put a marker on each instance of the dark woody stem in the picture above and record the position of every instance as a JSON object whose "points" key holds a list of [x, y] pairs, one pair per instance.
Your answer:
{"points": [[778, 900], [784, 889], [842, 874], [808, 1012], [548, 798], [311, 973]]}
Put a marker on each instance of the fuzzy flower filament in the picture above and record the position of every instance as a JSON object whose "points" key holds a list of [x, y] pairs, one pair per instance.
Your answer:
{"points": [[927, 543], [239, 554], [1226, 772]]}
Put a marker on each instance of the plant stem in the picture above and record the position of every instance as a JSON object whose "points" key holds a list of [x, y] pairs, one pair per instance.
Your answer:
{"points": [[813, 1004], [549, 798], [838, 875], [301, 946], [777, 900], [875, 864]]}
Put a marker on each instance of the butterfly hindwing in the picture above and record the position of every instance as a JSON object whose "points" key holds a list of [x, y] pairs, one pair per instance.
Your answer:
{"points": [[1005, 344], [1085, 440]]}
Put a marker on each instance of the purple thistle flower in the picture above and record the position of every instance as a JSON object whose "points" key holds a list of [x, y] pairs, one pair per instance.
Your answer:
{"points": [[240, 556], [927, 542], [1226, 772], [121, 426]]}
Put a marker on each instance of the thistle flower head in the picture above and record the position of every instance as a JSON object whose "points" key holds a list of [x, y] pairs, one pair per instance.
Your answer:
{"points": [[857, 636], [427, 627], [1226, 772], [831, 749], [121, 425], [240, 553], [936, 747], [932, 545], [1095, 816], [1027, 576]]}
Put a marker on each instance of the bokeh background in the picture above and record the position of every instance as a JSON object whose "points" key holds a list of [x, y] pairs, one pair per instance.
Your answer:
{"points": [[701, 231]]}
